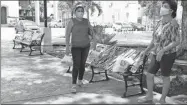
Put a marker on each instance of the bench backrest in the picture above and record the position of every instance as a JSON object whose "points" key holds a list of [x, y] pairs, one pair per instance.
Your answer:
{"points": [[26, 35], [108, 57]]}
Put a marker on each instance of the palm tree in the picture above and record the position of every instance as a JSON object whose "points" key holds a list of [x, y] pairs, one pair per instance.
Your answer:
{"points": [[71, 4], [41, 8], [90, 5], [152, 10], [31, 7], [63, 7]]}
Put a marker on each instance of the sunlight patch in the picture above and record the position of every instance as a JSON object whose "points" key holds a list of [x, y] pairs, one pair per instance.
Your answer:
{"points": [[9, 74], [17, 92], [67, 74], [38, 81], [36, 103], [112, 99], [96, 98], [62, 100], [30, 83], [50, 80], [83, 95]]}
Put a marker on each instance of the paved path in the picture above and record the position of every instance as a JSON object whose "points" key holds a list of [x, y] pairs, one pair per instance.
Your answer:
{"points": [[36, 79]]}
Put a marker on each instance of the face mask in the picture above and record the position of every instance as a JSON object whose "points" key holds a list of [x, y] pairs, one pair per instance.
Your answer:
{"points": [[164, 11], [80, 14]]}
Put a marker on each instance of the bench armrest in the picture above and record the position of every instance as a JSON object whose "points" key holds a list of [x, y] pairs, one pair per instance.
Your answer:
{"points": [[19, 36], [36, 42]]}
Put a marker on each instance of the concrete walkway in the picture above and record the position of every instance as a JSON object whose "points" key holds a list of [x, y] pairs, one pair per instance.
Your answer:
{"points": [[42, 80]]}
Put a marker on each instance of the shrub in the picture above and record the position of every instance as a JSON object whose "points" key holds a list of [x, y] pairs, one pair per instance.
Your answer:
{"points": [[101, 36]]}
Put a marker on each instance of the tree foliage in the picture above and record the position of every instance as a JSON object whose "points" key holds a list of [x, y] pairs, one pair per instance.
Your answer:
{"points": [[89, 5], [152, 8], [41, 7], [63, 7], [184, 23], [92, 6]]}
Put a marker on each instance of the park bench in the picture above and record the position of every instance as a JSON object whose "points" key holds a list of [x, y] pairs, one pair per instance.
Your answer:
{"points": [[106, 64], [106, 61], [137, 74], [29, 39], [181, 63]]}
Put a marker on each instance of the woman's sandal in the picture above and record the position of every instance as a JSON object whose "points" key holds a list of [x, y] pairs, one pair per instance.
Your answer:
{"points": [[74, 89], [80, 84]]}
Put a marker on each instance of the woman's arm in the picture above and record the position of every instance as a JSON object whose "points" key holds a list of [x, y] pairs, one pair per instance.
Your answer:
{"points": [[171, 45], [67, 34]]}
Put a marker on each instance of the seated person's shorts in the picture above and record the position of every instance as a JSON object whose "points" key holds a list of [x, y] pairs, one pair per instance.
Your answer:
{"points": [[165, 64]]}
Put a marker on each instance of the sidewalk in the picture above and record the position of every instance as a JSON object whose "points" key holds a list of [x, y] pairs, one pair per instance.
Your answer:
{"points": [[42, 80]]}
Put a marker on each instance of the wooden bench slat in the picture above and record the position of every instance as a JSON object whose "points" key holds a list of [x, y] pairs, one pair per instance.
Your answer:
{"points": [[17, 40], [180, 62], [27, 43]]}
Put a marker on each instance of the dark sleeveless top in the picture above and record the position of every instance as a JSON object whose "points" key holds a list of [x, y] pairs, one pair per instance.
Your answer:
{"points": [[80, 37]]}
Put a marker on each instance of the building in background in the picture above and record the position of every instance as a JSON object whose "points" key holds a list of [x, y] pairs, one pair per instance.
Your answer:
{"points": [[9, 11], [27, 9], [118, 11]]}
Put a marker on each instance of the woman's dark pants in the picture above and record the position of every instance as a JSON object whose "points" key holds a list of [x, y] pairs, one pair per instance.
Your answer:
{"points": [[79, 56]]}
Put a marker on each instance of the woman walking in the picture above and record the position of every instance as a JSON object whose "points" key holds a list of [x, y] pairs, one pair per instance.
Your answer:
{"points": [[82, 32], [166, 38]]}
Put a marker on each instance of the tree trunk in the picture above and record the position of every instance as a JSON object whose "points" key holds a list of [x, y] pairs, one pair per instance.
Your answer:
{"points": [[183, 54], [88, 17], [184, 23]]}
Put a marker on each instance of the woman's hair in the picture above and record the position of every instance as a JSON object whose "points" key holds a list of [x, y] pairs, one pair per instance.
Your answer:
{"points": [[79, 7], [173, 6]]}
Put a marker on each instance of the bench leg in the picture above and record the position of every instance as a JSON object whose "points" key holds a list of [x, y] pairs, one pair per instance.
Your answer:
{"points": [[14, 44], [91, 80], [106, 75], [41, 50], [126, 86], [141, 84], [30, 50], [21, 47], [68, 71]]}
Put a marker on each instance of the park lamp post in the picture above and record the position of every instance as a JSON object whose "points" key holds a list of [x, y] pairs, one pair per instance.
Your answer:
{"points": [[45, 13], [47, 41]]}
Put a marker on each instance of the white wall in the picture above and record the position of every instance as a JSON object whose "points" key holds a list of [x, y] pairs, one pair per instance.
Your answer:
{"points": [[133, 12], [12, 8]]}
